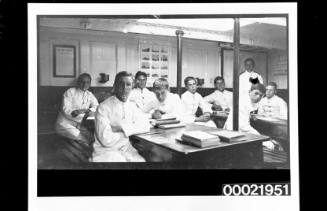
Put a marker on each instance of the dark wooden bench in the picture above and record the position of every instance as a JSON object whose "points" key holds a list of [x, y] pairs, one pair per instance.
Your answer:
{"points": [[76, 151], [55, 150]]}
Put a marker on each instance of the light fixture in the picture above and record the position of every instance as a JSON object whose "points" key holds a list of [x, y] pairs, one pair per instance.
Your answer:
{"points": [[85, 24]]}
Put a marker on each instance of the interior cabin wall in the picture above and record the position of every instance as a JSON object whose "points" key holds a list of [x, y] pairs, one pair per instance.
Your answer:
{"points": [[278, 68], [111, 52]]}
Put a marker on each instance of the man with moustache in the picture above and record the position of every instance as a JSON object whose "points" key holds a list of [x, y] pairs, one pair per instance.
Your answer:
{"points": [[115, 120]]}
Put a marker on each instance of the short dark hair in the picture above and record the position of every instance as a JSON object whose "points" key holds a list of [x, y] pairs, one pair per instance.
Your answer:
{"points": [[258, 86], [218, 78], [272, 84], [121, 75], [189, 78], [139, 73], [160, 83], [249, 59], [82, 76]]}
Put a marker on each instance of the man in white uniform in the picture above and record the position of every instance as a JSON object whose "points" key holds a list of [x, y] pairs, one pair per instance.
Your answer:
{"points": [[248, 105], [115, 120], [272, 105], [76, 103], [166, 104], [192, 101], [248, 77], [221, 99], [140, 95]]}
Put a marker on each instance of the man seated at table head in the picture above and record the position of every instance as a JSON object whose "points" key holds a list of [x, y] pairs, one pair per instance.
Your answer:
{"points": [[248, 105], [272, 105], [192, 100], [76, 103], [221, 99], [115, 120], [166, 104], [140, 95]]}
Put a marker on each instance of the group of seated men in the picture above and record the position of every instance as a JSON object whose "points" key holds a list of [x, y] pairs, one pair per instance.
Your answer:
{"points": [[131, 105]]}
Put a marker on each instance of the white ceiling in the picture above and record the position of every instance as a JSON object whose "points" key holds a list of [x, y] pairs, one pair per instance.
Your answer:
{"points": [[261, 32], [213, 24]]}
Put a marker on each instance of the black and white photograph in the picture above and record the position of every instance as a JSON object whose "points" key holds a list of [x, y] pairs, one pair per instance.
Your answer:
{"points": [[164, 88]]}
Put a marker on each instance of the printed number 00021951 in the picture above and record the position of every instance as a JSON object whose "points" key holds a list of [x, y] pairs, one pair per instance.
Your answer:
{"points": [[276, 189]]}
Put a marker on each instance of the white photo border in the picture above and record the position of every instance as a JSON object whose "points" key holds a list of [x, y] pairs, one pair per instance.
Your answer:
{"points": [[168, 202]]}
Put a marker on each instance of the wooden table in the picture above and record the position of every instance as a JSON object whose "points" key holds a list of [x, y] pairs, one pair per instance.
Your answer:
{"points": [[163, 147], [277, 129]]}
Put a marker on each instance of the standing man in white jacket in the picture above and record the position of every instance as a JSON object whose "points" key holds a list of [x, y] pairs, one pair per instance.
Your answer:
{"points": [[248, 77]]}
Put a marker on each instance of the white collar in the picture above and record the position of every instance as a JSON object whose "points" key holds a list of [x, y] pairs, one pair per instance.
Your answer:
{"points": [[190, 92], [119, 101], [273, 97], [222, 92], [141, 90], [79, 90]]}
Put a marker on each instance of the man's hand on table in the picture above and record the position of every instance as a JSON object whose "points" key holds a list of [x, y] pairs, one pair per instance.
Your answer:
{"points": [[204, 118], [157, 114], [77, 112], [216, 107]]}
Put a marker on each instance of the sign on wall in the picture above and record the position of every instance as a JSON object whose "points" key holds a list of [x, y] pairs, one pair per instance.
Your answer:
{"points": [[64, 61], [154, 61]]}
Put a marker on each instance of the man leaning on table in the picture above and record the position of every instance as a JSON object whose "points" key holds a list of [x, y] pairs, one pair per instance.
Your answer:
{"points": [[115, 120], [192, 100], [248, 105], [221, 99], [166, 104], [272, 105]]}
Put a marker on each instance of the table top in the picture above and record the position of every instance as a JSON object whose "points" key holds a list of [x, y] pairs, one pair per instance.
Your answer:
{"points": [[270, 120], [167, 138]]}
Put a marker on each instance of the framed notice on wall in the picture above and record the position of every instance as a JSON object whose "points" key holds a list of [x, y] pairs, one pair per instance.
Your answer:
{"points": [[64, 61], [154, 61]]}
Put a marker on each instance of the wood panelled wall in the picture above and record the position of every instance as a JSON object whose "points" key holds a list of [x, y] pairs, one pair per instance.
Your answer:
{"points": [[111, 52]]}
